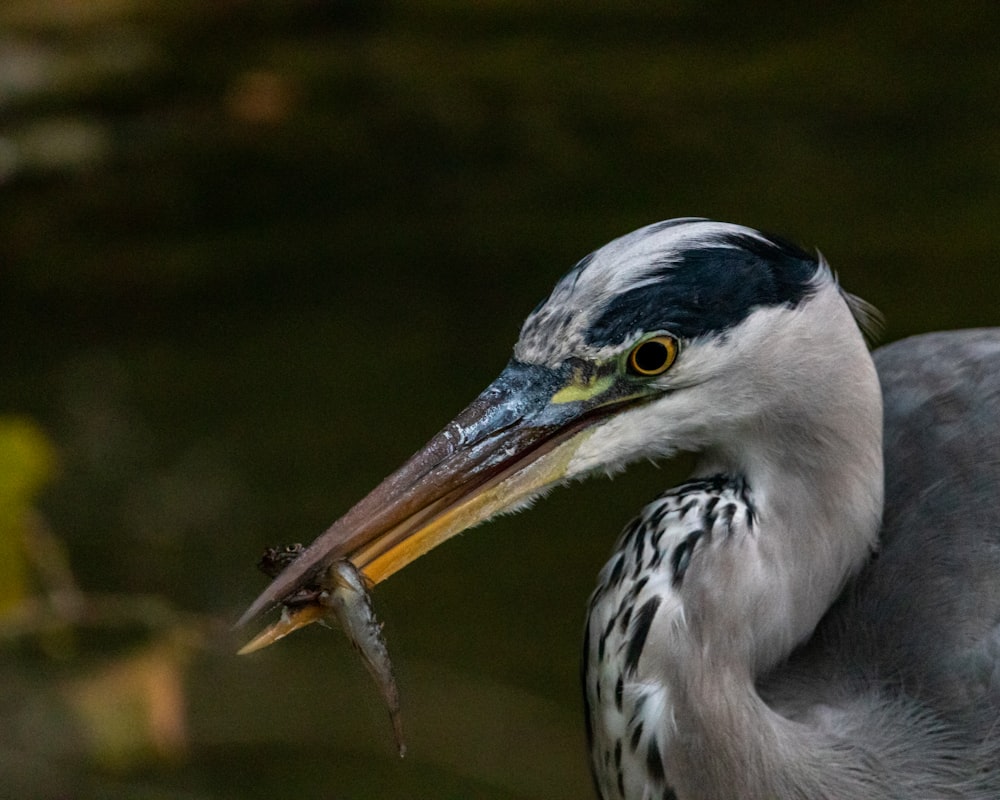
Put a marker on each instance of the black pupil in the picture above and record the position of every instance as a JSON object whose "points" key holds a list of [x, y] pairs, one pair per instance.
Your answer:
{"points": [[650, 357]]}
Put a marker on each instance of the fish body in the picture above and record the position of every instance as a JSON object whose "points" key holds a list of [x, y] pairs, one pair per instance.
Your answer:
{"points": [[346, 596], [339, 594]]}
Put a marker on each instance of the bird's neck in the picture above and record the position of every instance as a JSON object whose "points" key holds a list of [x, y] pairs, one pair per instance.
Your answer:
{"points": [[729, 743], [816, 485]]}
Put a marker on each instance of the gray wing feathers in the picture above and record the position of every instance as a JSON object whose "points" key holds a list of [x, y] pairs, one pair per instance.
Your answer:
{"points": [[922, 619], [936, 582], [907, 661]]}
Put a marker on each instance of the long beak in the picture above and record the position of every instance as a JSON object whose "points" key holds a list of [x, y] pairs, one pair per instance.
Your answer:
{"points": [[512, 442]]}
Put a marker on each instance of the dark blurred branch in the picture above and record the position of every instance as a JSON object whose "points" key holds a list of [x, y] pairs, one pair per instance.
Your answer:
{"points": [[60, 605]]}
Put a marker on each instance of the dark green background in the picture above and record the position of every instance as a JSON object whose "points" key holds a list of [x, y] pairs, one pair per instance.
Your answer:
{"points": [[234, 322]]}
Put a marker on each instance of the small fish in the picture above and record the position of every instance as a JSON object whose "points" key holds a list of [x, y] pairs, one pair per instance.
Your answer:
{"points": [[346, 595], [339, 594]]}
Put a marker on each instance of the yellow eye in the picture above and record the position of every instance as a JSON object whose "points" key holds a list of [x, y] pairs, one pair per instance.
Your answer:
{"points": [[653, 356]]}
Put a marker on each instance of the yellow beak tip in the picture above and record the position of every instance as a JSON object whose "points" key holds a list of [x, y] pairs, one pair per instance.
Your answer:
{"points": [[291, 621]]}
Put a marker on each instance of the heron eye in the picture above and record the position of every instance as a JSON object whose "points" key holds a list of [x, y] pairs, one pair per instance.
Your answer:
{"points": [[652, 356]]}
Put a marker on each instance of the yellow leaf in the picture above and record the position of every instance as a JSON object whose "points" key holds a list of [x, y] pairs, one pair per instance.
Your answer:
{"points": [[27, 462]]}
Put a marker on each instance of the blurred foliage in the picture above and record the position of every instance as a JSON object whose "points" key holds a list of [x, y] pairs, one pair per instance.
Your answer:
{"points": [[133, 709], [129, 708], [254, 252], [27, 460]]}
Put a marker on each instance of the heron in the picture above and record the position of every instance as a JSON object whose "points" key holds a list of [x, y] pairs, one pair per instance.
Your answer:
{"points": [[815, 613]]}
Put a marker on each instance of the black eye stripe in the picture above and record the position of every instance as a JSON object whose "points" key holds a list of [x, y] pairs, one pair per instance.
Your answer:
{"points": [[702, 290]]}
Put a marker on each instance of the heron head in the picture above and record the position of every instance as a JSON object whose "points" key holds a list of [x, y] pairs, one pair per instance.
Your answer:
{"points": [[683, 335]]}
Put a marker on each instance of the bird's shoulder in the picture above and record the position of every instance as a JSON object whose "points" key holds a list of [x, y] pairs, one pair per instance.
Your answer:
{"points": [[925, 612]]}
